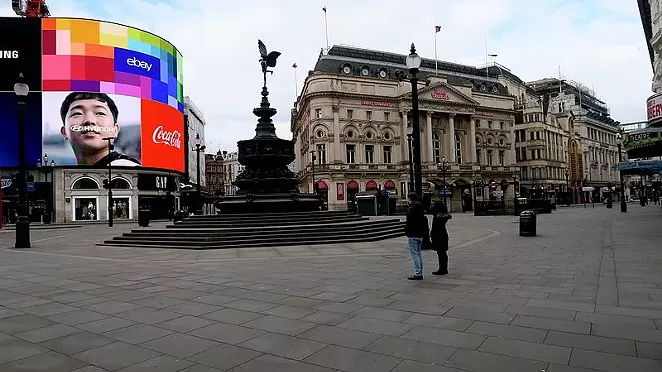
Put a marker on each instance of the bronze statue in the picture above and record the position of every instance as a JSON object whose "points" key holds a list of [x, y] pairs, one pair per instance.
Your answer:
{"points": [[267, 60]]}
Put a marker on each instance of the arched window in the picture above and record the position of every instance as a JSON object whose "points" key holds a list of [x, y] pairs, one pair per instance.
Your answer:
{"points": [[120, 184], [458, 149], [436, 148], [85, 184]]}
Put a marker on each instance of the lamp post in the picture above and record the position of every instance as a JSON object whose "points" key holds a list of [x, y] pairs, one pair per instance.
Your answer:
{"points": [[22, 224], [624, 206], [567, 186], [413, 64], [46, 169], [443, 178], [198, 148], [411, 161], [109, 184], [313, 157]]}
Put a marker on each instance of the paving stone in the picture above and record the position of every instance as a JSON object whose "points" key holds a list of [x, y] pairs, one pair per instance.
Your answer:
{"points": [[76, 343], [340, 336], [226, 333], [148, 315], [112, 307], [90, 369], [445, 337], [612, 362], [412, 349], [382, 314], [185, 324], [138, 333], [562, 368], [646, 335], [326, 317], [105, 325], [649, 350], [51, 362], [200, 368], [192, 308], [616, 320], [47, 333], [438, 321], [179, 345], [216, 299], [250, 305], [22, 323], [603, 344], [116, 355], [289, 312], [276, 364], [412, 366], [352, 360], [75, 317], [299, 302], [18, 349], [552, 324], [224, 357], [232, 316], [338, 307], [280, 325], [542, 312], [383, 327], [284, 346], [527, 350], [158, 302], [508, 331], [480, 314], [477, 361]]}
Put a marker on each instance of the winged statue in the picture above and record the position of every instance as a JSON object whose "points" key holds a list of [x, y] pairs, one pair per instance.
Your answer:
{"points": [[267, 59]]}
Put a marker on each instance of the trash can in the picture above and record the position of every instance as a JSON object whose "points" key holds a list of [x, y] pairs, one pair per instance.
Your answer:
{"points": [[366, 205], [527, 223], [179, 216], [143, 216]]}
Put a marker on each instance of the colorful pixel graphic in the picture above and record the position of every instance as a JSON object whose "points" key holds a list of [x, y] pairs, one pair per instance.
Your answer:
{"points": [[94, 56]]}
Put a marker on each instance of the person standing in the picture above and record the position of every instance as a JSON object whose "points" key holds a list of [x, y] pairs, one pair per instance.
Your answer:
{"points": [[439, 235], [415, 229]]}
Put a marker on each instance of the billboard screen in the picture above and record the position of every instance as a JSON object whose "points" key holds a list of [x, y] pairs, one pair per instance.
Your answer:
{"points": [[104, 80]]}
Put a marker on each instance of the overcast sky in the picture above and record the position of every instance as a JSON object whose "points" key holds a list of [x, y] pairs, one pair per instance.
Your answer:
{"points": [[599, 43]]}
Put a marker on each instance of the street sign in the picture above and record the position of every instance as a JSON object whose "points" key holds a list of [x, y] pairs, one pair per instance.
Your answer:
{"points": [[30, 187], [446, 190]]}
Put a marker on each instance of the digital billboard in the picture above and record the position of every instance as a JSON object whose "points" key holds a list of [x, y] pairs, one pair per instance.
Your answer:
{"points": [[100, 80], [20, 52]]}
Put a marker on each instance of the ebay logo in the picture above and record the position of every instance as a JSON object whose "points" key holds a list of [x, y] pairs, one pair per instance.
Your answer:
{"points": [[135, 62]]}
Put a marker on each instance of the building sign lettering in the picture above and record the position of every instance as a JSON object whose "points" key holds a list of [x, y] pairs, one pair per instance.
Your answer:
{"points": [[654, 105], [440, 93], [6, 182], [377, 103]]}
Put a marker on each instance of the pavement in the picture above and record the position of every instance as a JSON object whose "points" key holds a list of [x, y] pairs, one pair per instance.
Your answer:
{"points": [[583, 295]]}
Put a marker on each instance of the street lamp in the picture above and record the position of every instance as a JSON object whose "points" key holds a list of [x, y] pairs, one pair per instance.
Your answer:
{"points": [[443, 178], [22, 224], [198, 148], [411, 161], [413, 64], [567, 186], [108, 183], [313, 157], [624, 206], [46, 169]]}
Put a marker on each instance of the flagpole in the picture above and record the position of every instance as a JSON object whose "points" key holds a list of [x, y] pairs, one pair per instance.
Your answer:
{"points": [[326, 30], [296, 85], [487, 67], [560, 82], [436, 60]]}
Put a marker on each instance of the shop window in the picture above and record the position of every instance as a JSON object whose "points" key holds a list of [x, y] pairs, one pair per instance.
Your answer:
{"points": [[121, 208], [86, 209], [85, 184]]}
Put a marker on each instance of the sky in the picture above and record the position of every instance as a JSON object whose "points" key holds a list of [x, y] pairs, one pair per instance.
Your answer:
{"points": [[599, 43]]}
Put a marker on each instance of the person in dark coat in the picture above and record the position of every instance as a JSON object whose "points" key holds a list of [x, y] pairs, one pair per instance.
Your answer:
{"points": [[439, 235], [416, 230]]}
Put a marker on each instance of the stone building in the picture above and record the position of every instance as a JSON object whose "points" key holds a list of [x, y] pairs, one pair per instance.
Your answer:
{"points": [[354, 114], [214, 174]]}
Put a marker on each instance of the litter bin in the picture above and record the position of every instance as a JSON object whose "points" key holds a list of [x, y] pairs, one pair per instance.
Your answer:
{"points": [[143, 216], [179, 216], [366, 205], [527, 223]]}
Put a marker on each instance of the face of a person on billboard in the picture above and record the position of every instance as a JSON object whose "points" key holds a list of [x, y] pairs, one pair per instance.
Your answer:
{"points": [[88, 118]]}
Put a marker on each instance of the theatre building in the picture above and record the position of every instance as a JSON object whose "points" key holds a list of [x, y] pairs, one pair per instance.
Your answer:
{"points": [[355, 113]]}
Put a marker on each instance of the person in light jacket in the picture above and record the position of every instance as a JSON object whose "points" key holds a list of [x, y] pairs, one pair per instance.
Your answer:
{"points": [[439, 235]]}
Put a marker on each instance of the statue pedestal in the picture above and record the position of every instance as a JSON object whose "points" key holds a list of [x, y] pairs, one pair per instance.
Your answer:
{"points": [[268, 203]]}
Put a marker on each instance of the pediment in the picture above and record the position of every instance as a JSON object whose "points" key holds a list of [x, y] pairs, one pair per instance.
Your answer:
{"points": [[444, 92]]}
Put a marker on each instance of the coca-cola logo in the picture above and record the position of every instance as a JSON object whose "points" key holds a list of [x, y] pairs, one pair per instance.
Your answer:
{"points": [[162, 136]]}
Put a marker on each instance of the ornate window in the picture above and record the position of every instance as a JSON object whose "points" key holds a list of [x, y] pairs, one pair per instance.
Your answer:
{"points": [[387, 155], [458, 149], [321, 153], [369, 154], [85, 184], [436, 148]]}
